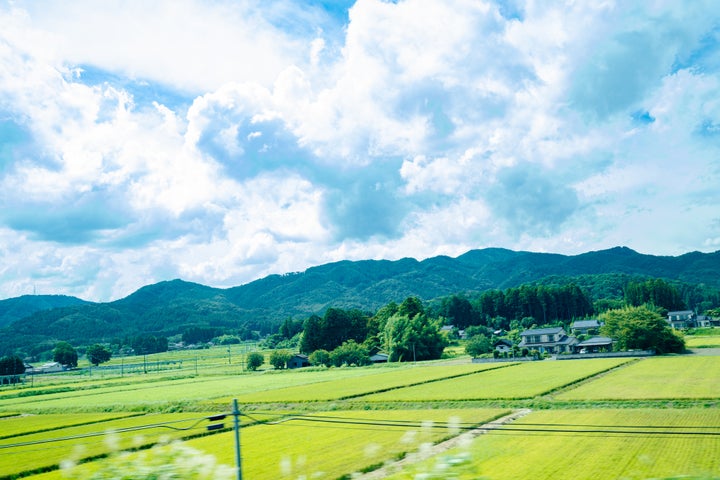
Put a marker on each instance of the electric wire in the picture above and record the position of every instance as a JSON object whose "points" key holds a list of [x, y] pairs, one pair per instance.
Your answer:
{"points": [[358, 423], [167, 425]]}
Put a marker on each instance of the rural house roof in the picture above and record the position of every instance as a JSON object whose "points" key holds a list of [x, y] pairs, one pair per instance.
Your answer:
{"points": [[543, 331], [595, 342], [586, 323]]}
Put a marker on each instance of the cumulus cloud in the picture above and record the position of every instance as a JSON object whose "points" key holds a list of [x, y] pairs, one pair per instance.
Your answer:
{"points": [[224, 141]]}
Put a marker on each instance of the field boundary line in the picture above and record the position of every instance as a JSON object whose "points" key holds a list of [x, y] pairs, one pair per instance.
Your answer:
{"points": [[382, 390], [80, 424], [576, 383], [440, 447]]}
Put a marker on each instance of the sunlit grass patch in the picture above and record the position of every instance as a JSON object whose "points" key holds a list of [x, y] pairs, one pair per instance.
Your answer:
{"points": [[685, 377], [372, 381], [333, 444], [524, 380], [587, 444]]}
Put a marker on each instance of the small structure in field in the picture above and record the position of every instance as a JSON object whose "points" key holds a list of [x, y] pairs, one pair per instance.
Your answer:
{"points": [[298, 361]]}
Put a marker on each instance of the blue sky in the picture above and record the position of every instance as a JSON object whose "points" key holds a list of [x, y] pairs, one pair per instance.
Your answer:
{"points": [[222, 141]]}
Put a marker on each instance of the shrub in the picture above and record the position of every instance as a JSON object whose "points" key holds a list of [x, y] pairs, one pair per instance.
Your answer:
{"points": [[255, 360], [320, 357], [280, 358]]}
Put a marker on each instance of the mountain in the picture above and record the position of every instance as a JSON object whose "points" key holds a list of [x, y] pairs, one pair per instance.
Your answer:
{"points": [[167, 308], [16, 308]]}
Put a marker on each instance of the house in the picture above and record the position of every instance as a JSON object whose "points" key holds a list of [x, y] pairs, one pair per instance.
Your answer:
{"points": [[29, 369], [706, 321], [298, 361], [503, 345], [682, 319], [379, 357], [585, 327], [50, 367], [594, 345], [547, 340]]}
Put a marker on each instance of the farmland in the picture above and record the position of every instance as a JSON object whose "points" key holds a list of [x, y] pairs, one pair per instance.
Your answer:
{"points": [[645, 444], [655, 378], [293, 421], [518, 381]]}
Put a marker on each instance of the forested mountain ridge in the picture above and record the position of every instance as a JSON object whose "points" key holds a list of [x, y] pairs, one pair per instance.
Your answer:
{"points": [[12, 309], [170, 307]]}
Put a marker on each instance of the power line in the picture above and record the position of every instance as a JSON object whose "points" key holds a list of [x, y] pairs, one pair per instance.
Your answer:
{"points": [[167, 425]]}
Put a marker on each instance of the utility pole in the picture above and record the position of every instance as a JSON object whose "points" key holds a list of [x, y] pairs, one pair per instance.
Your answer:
{"points": [[236, 425]]}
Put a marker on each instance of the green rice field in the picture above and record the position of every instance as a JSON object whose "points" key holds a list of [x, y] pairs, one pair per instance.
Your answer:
{"points": [[524, 380], [685, 377], [588, 444], [357, 386], [334, 423]]}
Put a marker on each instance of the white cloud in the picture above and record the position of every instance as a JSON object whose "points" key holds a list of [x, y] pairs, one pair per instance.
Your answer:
{"points": [[187, 44], [431, 127]]}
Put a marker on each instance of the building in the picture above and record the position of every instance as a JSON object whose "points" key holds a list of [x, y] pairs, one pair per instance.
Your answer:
{"points": [[595, 345], [682, 319], [503, 345], [298, 361], [50, 367], [585, 327], [547, 340], [379, 357]]}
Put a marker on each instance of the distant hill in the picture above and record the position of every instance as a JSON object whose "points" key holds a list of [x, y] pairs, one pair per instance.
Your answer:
{"points": [[169, 307], [16, 308]]}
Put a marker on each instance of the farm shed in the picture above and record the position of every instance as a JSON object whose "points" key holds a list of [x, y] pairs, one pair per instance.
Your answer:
{"points": [[379, 358], [298, 361]]}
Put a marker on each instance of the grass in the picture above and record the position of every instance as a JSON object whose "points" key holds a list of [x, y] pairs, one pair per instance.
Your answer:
{"points": [[702, 341], [655, 378], [525, 380], [373, 381], [585, 451], [156, 394], [341, 427], [316, 449], [46, 449], [26, 424]]}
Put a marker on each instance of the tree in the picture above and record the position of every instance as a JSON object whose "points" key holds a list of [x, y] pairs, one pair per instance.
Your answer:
{"points": [[10, 367], [312, 335], [65, 354], [409, 339], [350, 353], [320, 357], [147, 344], [640, 328], [478, 345], [279, 358], [97, 354], [255, 360]]}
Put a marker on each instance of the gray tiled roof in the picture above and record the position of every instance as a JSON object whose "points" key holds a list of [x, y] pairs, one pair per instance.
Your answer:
{"points": [[542, 331]]}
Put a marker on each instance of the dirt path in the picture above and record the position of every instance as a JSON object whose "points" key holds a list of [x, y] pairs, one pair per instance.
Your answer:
{"points": [[393, 467]]}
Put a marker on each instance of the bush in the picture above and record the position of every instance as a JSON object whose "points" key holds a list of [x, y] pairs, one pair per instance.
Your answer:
{"points": [[478, 345], [280, 358], [255, 360], [320, 357], [350, 353]]}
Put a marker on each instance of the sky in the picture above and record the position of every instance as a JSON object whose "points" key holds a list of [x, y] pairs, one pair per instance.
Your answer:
{"points": [[221, 141]]}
